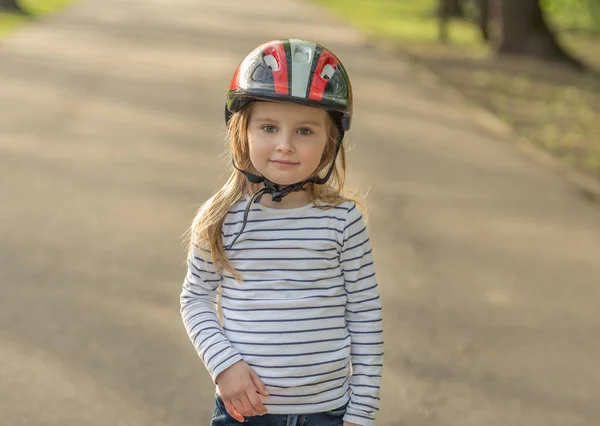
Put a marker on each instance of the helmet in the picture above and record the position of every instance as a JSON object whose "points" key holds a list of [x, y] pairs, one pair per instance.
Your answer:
{"points": [[295, 71]]}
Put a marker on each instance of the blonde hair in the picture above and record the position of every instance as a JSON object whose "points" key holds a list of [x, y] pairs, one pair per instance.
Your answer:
{"points": [[205, 232]]}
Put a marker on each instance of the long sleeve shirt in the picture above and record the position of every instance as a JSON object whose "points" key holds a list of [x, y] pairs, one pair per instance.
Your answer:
{"points": [[307, 316]]}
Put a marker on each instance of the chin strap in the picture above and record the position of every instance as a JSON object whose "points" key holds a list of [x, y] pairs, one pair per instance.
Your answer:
{"points": [[277, 194], [276, 191]]}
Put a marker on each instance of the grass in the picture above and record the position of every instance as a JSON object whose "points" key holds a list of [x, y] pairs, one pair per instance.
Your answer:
{"points": [[554, 107], [36, 8]]}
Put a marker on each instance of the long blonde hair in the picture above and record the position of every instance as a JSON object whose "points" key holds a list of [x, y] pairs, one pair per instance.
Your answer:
{"points": [[205, 232]]}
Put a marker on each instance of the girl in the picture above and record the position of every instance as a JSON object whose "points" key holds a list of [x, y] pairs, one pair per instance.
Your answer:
{"points": [[301, 338]]}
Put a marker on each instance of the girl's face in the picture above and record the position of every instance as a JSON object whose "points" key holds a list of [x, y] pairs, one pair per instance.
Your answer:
{"points": [[287, 140]]}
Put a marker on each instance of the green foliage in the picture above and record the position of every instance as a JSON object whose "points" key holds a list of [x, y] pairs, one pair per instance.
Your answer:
{"points": [[573, 14], [44, 7], [35, 8], [9, 22], [406, 19]]}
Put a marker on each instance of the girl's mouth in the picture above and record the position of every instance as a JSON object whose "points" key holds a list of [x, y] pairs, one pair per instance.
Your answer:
{"points": [[284, 162]]}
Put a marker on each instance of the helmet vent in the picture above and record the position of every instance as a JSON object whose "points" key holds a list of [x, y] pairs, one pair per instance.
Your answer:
{"points": [[271, 62], [302, 54], [327, 72], [301, 57]]}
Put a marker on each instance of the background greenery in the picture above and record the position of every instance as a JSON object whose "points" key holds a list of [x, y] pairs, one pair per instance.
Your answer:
{"points": [[36, 9], [553, 106]]}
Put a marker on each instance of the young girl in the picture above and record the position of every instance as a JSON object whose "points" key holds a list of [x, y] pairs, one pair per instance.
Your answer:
{"points": [[301, 338]]}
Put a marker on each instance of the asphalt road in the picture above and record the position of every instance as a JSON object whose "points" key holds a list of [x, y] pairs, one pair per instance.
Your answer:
{"points": [[111, 135]]}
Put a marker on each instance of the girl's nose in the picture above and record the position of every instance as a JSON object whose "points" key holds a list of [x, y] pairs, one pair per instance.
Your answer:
{"points": [[285, 143]]}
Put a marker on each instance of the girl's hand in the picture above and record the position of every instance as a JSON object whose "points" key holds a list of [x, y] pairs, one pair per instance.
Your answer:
{"points": [[350, 424], [239, 386]]}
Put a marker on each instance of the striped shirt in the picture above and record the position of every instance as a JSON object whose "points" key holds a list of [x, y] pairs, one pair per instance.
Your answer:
{"points": [[307, 316]]}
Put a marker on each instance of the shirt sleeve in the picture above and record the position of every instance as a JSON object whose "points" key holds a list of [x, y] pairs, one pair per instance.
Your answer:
{"points": [[199, 300], [364, 320]]}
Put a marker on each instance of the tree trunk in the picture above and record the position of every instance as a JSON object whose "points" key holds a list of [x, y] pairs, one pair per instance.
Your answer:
{"points": [[484, 19], [451, 8], [444, 17], [524, 31], [446, 10], [11, 6]]}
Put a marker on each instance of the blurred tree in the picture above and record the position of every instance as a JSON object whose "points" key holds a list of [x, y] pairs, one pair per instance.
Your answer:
{"points": [[484, 18], [451, 8], [12, 6], [524, 30], [520, 26], [444, 17], [473, 10]]}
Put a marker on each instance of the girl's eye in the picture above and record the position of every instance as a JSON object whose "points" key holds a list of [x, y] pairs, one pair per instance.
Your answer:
{"points": [[269, 129], [305, 132]]}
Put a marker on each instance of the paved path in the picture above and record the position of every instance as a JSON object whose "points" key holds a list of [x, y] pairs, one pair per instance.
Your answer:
{"points": [[110, 137]]}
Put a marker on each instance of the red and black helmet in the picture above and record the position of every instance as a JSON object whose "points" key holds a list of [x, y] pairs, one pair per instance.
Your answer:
{"points": [[296, 71]]}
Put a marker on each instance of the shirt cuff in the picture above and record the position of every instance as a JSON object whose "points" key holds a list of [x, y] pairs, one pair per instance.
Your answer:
{"points": [[225, 365]]}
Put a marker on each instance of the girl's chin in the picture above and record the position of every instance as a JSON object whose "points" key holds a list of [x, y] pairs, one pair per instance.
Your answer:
{"points": [[284, 183], [284, 179]]}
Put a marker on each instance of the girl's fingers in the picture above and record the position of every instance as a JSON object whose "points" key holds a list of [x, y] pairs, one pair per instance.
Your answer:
{"points": [[249, 409], [243, 407], [256, 403], [258, 383], [233, 412]]}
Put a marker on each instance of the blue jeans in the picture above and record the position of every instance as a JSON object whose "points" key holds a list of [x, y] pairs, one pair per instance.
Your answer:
{"points": [[328, 418]]}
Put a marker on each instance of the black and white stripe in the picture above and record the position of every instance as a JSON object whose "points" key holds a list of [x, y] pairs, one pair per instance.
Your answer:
{"points": [[307, 317]]}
